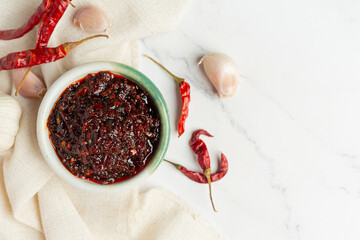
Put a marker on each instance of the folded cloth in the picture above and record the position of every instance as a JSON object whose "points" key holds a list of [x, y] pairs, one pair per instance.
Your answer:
{"points": [[35, 204]]}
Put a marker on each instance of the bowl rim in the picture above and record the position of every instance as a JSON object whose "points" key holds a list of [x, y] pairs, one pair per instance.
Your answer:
{"points": [[53, 94]]}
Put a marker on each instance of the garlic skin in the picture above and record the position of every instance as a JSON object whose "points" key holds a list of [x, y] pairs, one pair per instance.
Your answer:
{"points": [[222, 72], [10, 113], [32, 87], [92, 20]]}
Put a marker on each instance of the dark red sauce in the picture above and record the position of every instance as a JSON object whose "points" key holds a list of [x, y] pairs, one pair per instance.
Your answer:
{"points": [[104, 128]]}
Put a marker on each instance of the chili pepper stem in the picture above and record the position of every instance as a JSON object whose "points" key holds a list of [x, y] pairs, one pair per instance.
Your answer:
{"points": [[70, 45], [174, 164], [69, 1], [178, 80], [22, 81], [207, 175]]}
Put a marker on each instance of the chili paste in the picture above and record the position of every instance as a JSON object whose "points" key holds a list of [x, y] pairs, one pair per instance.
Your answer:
{"points": [[104, 128]]}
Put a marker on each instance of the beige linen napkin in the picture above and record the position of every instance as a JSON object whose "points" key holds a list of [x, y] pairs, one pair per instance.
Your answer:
{"points": [[35, 204]]}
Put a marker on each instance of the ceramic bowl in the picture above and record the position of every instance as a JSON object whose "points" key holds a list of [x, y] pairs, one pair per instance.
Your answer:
{"points": [[54, 93]]}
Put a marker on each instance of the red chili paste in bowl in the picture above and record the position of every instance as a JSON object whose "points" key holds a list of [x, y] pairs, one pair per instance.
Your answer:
{"points": [[104, 128]]}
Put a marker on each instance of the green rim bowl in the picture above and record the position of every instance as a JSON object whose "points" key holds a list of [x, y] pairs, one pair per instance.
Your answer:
{"points": [[55, 91]]}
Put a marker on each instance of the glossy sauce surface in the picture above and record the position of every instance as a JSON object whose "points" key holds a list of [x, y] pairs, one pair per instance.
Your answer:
{"points": [[104, 128]]}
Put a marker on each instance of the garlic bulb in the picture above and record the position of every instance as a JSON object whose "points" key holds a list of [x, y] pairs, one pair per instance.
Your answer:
{"points": [[32, 87], [92, 20], [10, 113], [222, 72]]}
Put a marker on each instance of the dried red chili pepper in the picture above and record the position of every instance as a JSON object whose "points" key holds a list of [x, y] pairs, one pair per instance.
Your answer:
{"points": [[200, 177], [49, 22], [47, 26], [224, 167], [39, 56], [200, 149], [27, 27], [195, 176], [185, 97]]}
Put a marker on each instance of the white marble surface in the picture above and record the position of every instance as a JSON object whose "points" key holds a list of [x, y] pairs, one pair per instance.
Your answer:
{"points": [[291, 132]]}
